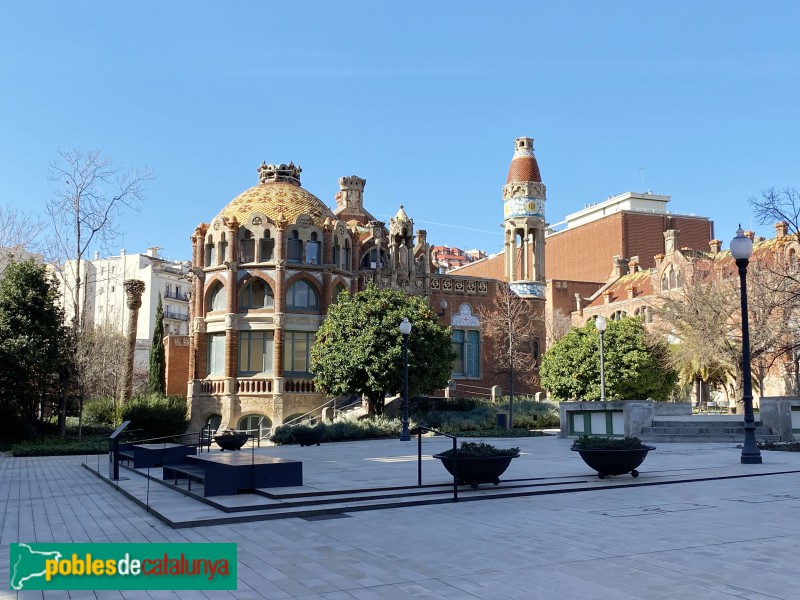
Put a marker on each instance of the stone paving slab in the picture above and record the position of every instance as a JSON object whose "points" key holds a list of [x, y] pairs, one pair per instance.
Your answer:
{"points": [[709, 538]]}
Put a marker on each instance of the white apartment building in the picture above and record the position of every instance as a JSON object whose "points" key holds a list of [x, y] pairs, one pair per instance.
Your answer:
{"points": [[103, 295]]}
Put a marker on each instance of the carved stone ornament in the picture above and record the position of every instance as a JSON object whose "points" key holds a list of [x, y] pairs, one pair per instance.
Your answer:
{"points": [[199, 325], [256, 221], [217, 225], [528, 188], [279, 319], [340, 230], [230, 321], [465, 318], [305, 222]]}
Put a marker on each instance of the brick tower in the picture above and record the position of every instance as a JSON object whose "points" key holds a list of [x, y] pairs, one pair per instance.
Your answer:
{"points": [[524, 197]]}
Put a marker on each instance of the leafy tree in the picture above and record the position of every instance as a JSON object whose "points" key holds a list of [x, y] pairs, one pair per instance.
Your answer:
{"points": [[156, 383], [635, 365], [32, 342], [358, 349]]}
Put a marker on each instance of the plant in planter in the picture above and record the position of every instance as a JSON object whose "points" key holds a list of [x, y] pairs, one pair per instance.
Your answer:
{"points": [[477, 462], [612, 456], [230, 440], [306, 435]]}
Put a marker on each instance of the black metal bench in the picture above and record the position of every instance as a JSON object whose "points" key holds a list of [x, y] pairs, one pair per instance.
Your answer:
{"points": [[191, 472]]}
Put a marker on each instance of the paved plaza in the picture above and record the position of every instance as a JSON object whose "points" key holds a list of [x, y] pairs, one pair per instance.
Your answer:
{"points": [[695, 525]]}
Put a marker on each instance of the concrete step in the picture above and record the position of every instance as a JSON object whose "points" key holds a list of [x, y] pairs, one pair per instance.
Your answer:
{"points": [[702, 422], [701, 430]]}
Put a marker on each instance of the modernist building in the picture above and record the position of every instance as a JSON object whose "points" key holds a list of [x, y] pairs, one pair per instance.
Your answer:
{"points": [[266, 269]]}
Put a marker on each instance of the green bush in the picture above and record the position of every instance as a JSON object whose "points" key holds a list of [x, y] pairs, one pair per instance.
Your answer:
{"points": [[589, 442], [469, 414], [154, 416], [60, 447], [366, 429], [481, 450], [100, 412]]}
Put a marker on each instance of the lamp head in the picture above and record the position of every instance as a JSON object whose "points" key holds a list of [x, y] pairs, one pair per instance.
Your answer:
{"points": [[600, 323], [405, 326], [741, 245], [443, 305]]}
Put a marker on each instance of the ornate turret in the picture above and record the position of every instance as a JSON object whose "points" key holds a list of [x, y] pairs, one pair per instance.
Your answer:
{"points": [[524, 197], [401, 245], [271, 173]]}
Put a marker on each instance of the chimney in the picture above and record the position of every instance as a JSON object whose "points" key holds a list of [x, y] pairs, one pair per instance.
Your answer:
{"points": [[620, 266], [716, 246], [781, 229], [607, 297], [631, 291], [658, 258], [153, 252], [122, 252], [633, 264], [96, 255]]}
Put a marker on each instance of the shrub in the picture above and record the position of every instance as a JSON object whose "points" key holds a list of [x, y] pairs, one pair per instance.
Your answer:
{"points": [[379, 427], [155, 416], [588, 442], [100, 412], [481, 449], [60, 447]]}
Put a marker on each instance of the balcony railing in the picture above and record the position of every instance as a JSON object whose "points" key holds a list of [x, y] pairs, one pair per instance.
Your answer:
{"points": [[177, 295], [168, 314]]}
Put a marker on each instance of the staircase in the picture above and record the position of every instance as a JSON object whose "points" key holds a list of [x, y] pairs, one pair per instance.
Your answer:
{"points": [[703, 428]]}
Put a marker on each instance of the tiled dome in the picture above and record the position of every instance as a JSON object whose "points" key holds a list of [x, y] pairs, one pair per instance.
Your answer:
{"points": [[278, 193], [523, 166]]}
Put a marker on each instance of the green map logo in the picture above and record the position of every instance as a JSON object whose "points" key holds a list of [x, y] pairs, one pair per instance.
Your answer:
{"points": [[123, 566]]}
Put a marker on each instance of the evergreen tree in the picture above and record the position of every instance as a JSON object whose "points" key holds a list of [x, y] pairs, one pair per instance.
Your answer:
{"points": [[156, 382], [636, 366], [358, 349], [32, 345]]}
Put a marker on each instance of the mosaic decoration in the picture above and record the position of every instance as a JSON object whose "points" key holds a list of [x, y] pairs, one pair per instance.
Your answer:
{"points": [[459, 285], [526, 206], [528, 289], [465, 318]]}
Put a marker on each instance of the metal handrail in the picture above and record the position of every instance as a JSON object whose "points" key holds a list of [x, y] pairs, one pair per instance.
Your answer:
{"points": [[419, 429]]}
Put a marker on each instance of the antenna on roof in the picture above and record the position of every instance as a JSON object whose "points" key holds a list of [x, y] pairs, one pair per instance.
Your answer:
{"points": [[641, 172]]}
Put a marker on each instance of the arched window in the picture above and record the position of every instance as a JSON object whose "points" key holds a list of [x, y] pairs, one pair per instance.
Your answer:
{"points": [[673, 283], [372, 260], [617, 315], [247, 248], [346, 256], [792, 261], [267, 247], [336, 250], [211, 252], [294, 248], [536, 352], [256, 294], [301, 295], [313, 250], [215, 421], [255, 424], [339, 289], [223, 249], [216, 298]]}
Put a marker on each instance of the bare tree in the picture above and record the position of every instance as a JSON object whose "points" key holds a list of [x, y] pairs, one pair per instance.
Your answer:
{"points": [[557, 325], [774, 206], [509, 323], [19, 234], [83, 214], [83, 211], [705, 318]]}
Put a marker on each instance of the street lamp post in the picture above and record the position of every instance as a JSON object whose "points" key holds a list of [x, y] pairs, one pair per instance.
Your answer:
{"points": [[741, 249], [405, 329], [600, 324]]}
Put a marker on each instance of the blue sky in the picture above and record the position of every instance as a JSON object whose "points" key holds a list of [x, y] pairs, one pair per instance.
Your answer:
{"points": [[423, 99]]}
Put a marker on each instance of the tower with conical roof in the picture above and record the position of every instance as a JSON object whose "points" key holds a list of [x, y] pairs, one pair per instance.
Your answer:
{"points": [[524, 197]]}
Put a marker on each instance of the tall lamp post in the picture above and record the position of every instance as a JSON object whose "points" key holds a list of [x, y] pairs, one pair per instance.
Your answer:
{"points": [[405, 329], [741, 249], [600, 324]]}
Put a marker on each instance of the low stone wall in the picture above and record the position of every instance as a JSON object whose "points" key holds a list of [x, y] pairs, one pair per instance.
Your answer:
{"points": [[615, 417], [781, 414]]}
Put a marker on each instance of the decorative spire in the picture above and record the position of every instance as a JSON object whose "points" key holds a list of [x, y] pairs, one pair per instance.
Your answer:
{"points": [[523, 167]]}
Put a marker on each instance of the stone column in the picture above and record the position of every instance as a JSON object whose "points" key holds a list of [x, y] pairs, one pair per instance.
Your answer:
{"points": [[134, 288], [327, 260], [280, 301]]}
